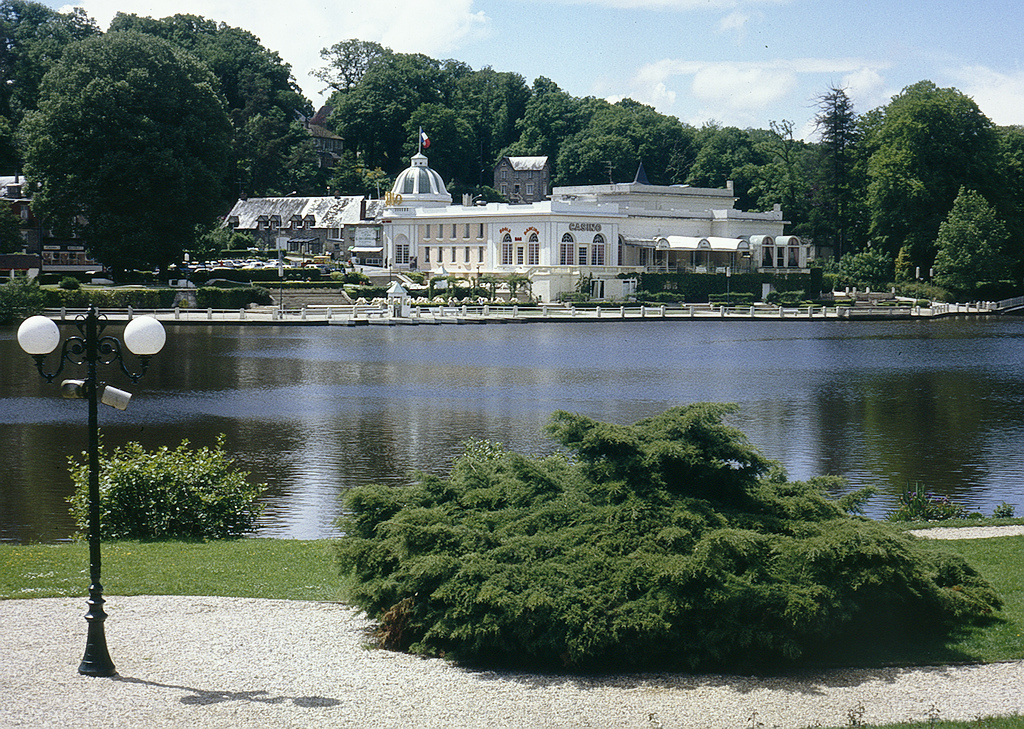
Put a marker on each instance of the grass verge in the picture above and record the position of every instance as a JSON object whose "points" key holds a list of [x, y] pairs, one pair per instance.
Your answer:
{"points": [[281, 569]]}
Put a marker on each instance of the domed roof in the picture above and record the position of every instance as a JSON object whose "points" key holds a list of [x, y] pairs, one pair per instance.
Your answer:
{"points": [[418, 184]]}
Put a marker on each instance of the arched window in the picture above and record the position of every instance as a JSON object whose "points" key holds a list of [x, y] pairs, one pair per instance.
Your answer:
{"points": [[566, 250], [597, 251], [533, 251], [506, 250]]}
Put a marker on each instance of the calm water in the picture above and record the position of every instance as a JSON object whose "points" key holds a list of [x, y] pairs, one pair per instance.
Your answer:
{"points": [[312, 411]]}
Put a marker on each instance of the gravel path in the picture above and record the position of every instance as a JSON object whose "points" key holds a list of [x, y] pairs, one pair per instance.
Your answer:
{"points": [[240, 663]]}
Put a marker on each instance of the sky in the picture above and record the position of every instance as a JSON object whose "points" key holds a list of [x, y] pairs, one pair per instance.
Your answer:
{"points": [[740, 63]]}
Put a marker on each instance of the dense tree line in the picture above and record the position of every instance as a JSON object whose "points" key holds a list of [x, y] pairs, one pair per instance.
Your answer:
{"points": [[881, 182]]}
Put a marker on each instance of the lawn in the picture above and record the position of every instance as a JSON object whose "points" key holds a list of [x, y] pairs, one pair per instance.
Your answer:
{"points": [[272, 568]]}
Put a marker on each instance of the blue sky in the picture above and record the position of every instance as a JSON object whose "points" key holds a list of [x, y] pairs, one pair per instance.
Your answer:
{"points": [[737, 62]]}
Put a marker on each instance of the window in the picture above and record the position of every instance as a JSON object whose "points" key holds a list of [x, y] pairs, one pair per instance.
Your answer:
{"points": [[533, 251], [519, 256], [480, 254], [506, 250], [402, 254], [480, 234], [529, 188], [426, 254], [565, 251], [768, 257], [465, 230], [426, 231], [454, 232], [794, 257], [597, 251], [583, 255], [465, 255], [504, 189]]}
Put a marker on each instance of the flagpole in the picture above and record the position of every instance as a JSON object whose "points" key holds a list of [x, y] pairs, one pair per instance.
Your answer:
{"points": [[419, 142]]}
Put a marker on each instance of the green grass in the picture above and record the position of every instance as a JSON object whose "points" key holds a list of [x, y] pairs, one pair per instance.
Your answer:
{"points": [[271, 568]]}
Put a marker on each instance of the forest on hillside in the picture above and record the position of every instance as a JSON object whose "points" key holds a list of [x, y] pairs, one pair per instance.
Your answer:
{"points": [[878, 183]]}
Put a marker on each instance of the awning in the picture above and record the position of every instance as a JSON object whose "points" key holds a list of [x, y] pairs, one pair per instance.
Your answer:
{"points": [[690, 243], [365, 249]]}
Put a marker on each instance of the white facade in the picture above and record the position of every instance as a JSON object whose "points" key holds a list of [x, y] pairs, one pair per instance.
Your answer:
{"points": [[601, 233]]}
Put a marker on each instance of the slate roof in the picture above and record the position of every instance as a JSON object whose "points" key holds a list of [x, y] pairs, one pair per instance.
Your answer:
{"points": [[327, 212], [528, 163]]}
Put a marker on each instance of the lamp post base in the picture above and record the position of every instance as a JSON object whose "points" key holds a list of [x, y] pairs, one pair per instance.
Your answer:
{"points": [[96, 661]]}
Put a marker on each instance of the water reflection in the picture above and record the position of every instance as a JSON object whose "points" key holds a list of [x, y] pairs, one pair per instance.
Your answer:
{"points": [[314, 410]]}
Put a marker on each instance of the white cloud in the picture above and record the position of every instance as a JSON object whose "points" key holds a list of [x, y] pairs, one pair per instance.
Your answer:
{"points": [[433, 27], [744, 93], [734, 22], [999, 95]]}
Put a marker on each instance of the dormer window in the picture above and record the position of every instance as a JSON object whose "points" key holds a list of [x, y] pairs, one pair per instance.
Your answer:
{"points": [[297, 223]]}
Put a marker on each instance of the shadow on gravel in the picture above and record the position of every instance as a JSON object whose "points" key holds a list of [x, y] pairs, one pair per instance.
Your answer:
{"points": [[199, 697]]}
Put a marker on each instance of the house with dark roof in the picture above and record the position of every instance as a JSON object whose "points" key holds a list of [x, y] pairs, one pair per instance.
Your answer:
{"points": [[328, 144], [310, 225], [523, 179]]}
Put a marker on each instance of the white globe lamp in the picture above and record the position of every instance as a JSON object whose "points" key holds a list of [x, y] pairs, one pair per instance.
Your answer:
{"points": [[38, 335], [144, 336]]}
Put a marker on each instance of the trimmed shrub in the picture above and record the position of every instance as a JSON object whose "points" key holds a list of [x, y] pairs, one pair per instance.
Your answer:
{"points": [[20, 299], [212, 297], [70, 283], [668, 544], [184, 493]]}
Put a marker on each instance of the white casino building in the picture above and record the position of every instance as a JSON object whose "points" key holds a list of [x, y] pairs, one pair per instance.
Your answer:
{"points": [[602, 233]]}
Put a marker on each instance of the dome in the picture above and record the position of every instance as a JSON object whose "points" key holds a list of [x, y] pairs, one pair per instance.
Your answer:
{"points": [[418, 184]]}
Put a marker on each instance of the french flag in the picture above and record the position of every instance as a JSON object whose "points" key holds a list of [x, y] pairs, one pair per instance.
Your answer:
{"points": [[424, 139]]}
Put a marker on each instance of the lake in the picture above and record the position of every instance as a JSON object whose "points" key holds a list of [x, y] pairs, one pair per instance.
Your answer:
{"points": [[312, 411]]}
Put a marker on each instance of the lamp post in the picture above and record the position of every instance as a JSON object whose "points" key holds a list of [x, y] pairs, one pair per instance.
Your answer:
{"points": [[144, 336]]}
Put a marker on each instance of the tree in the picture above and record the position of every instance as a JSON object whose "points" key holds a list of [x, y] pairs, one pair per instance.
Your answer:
{"points": [[451, 143], [32, 39], [1010, 204], [130, 145], [667, 544], [726, 153], [272, 153], [969, 244], [347, 61], [374, 114], [551, 116], [491, 103], [867, 268], [927, 143], [617, 138], [836, 126], [11, 240]]}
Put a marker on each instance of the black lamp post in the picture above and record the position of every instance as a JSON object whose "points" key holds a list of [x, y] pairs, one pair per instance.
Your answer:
{"points": [[144, 336]]}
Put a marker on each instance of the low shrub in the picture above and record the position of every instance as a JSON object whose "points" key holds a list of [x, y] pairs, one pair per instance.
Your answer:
{"points": [[921, 505], [19, 299], [212, 297], [1003, 511], [668, 544], [185, 493], [70, 283]]}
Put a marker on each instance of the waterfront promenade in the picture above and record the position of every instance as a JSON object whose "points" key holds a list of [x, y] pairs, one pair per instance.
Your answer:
{"points": [[381, 314]]}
